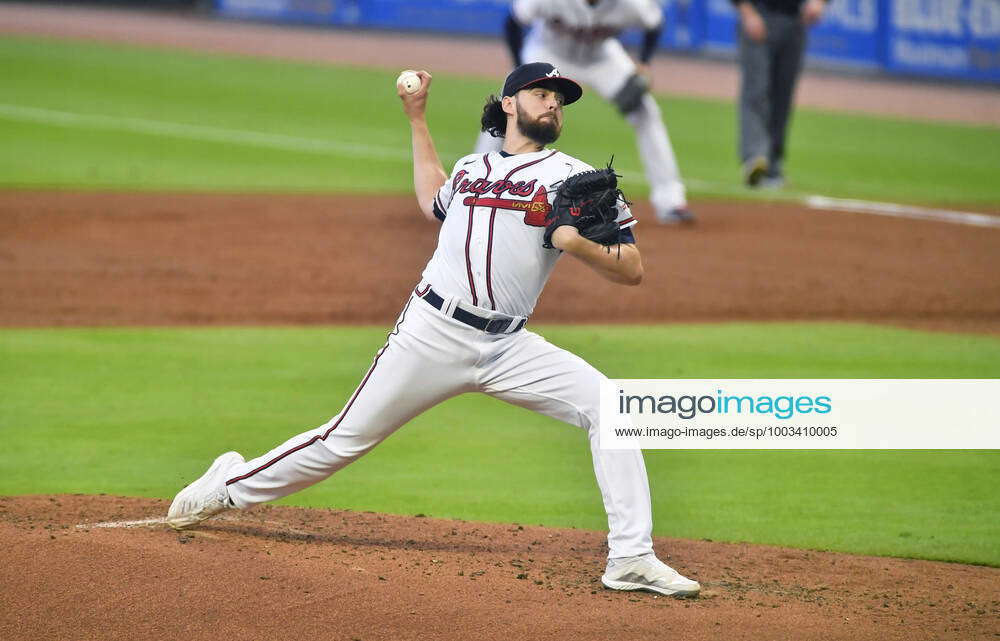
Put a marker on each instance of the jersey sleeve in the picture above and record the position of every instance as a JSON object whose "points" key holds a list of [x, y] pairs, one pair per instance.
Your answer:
{"points": [[442, 199], [439, 212], [625, 218], [525, 11], [626, 221]]}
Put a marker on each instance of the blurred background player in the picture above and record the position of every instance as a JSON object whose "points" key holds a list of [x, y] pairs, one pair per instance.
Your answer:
{"points": [[579, 37], [771, 41]]}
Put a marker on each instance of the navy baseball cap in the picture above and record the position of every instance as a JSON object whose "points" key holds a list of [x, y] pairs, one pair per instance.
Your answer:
{"points": [[536, 73]]}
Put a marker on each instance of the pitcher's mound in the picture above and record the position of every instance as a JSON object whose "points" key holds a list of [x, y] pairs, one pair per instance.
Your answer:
{"points": [[89, 567]]}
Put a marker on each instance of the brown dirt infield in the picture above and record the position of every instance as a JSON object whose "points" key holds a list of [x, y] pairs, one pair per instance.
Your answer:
{"points": [[291, 573], [168, 259]]}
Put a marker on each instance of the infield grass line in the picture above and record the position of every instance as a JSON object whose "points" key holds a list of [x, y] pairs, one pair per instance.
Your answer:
{"points": [[344, 149], [201, 133]]}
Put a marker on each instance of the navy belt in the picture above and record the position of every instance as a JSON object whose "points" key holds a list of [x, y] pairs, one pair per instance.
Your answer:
{"points": [[488, 325]]}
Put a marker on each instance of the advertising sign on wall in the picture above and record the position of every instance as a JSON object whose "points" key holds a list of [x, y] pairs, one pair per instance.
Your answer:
{"points": [[950, 38], [849, 33], [959, 38]]}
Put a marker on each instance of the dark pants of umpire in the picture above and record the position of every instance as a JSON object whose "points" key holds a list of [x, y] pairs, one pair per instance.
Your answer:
{"points": [[769, 71]]}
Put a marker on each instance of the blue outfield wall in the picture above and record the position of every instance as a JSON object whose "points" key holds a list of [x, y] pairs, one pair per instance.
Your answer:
{"points": [[940, 38]]}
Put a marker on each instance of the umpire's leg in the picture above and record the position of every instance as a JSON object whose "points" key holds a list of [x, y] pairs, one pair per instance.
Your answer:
{"points": [[786, 65], [755, 104]]}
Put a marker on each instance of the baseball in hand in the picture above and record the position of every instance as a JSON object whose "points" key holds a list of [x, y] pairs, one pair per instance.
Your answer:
{"points": [[409, 81]]}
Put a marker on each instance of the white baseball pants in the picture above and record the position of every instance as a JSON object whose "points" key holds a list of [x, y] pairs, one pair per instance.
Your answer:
{"points": [[428, 358]]}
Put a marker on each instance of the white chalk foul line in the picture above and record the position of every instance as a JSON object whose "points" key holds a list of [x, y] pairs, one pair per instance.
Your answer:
{"points": [[903, 211], [201, 132]]}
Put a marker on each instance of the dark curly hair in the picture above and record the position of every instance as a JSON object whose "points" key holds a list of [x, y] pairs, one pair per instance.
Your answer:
{"points": [[494, 121]]}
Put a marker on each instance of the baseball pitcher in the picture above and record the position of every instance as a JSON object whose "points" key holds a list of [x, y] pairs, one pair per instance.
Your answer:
{"points": [[506, 218]]}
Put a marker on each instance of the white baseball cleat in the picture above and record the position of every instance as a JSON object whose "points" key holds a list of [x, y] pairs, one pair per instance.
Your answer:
{"points": [[646, 572], [204, 498]]}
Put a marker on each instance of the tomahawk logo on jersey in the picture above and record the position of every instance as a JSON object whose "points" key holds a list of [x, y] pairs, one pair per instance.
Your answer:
{"points": [[493, 209]]}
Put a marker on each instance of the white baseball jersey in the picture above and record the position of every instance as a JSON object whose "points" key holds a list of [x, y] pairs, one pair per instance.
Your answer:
{"points": [[575, 29], [493, 209]]}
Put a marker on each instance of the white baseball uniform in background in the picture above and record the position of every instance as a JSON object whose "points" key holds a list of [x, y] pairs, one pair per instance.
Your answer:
{"points": [[581, 40], [490, 264]]}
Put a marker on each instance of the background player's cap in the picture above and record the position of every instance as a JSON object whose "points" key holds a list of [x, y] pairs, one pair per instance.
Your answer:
{"points": [[536, 73]]}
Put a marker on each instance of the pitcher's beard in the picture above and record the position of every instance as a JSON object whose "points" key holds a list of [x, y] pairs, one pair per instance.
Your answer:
{"points": [[543, 130]]}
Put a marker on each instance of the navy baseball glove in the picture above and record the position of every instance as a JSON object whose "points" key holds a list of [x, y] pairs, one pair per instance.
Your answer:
{"points": [[589, 202]]}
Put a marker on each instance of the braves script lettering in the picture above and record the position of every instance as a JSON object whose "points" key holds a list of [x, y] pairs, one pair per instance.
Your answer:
{"points": [[534, 209], [482, 186]]}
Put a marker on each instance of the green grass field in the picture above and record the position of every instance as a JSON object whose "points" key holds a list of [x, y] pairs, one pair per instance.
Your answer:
{"points": [[83, 115], [141, 411]]}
